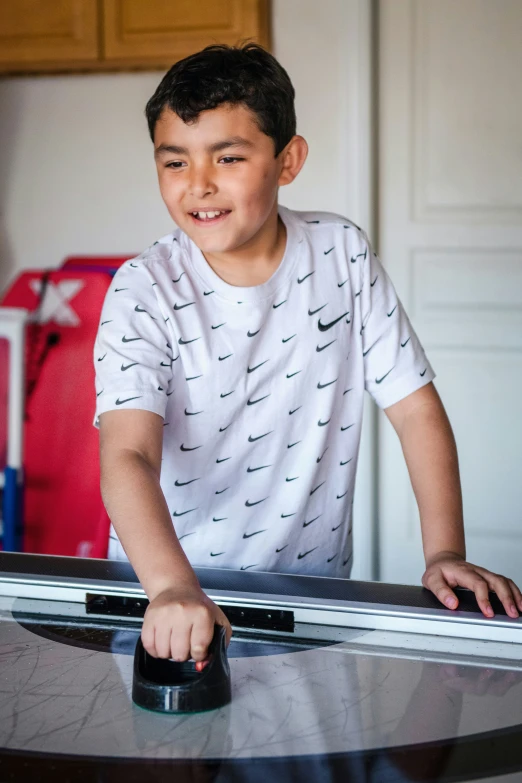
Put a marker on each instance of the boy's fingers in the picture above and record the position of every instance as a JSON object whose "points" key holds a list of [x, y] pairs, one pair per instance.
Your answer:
{"points": [[517, 594], [473, 581], [440, 588], [500, 585], [201, 635], [147, 639]]}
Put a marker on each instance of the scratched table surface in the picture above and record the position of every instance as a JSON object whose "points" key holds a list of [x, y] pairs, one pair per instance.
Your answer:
{"points": [[300, 711]]}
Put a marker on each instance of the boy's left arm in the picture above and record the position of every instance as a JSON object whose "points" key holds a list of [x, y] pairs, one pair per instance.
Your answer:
{"points": [[430, 452]]}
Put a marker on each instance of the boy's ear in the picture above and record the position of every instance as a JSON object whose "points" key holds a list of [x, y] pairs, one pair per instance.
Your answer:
{"points": [[292, 158]]}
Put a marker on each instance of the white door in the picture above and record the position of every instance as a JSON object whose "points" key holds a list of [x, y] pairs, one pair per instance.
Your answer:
{"points": [[450, 235]]}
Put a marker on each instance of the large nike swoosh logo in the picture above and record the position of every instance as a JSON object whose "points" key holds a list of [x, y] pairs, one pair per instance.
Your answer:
{"points": [[313, 312], [324, 385], [194, 413], [251, 439], [380, 380], [251, 369], [120, 402], [286, 339], [129, 339], [187, 448], [184, 483], [248, 503], [126, 367], [305, 524], [217, 327], [324, 327], [180, 307], [253, 402], [249, 535], [300, 280], [180, 513], [300, 556], [280, 303], [221, 358], [251, 470], [186, 342], [252, 334]]}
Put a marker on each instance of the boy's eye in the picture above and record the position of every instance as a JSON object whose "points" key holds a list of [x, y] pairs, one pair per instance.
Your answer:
{"points": [[175, 164], [228, 159]]}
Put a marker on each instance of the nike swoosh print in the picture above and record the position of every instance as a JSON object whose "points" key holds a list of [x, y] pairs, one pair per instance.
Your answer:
{"points": [[324, 327], [300, 556], [251, 439], [324, 385], [139, 309], [347, 428], [322, 423], [222, 429], [126, 367], [392, 312], [110, 322], [128, 339], [206, 293], [180, 513], [372, 284], [295, 409], [328, 251], [329, 559], [169, 393], [293, 373], [221, 358], [346, 462], [102, 358], [223, 460], [322, 455], [253, 402], [305, 524], [313, 312], [194, 413], [380, 380], [249, 535], [188, 448], [286, 339], [134, 266], [218, 519], [284, 516], [180, 307], [248, 503], [403, 345], [101, 392], [184, 483], [317, 487], [120, 402], [280, 303], [341, 496], [245, 568], [120, 289], [293, 444], [300, 280], [283, 547], [186, 342], [251, 369], [422, 374], [215, 554], [336, 528], [219, 491], [365, 353], [166, 364], [340, 285], [347, 559], [179, 278], [186, 534], [292, 479], [217, 327], [252, 334], [251, 470], [227, 393]]}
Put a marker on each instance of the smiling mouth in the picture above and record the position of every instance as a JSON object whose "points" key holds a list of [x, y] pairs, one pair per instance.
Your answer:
{"points": [[210, 216]]}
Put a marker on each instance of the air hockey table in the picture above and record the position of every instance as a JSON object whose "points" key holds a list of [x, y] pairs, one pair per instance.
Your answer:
{"points": [[332, 680]]}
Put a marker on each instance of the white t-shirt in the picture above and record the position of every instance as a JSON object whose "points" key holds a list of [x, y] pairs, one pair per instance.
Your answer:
{"points": [[261, 389]]}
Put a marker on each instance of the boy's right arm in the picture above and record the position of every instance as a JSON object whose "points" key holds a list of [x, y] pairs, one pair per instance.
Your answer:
{"points": [[179, 621]]}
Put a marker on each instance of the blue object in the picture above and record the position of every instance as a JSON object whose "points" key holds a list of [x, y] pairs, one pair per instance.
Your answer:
{"points": [[12, 510]]}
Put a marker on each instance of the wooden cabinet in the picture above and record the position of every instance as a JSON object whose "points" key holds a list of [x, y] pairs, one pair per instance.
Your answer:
{"points": [[42, 36]]}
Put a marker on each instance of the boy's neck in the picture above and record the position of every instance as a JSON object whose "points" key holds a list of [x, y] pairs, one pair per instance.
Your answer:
{"points": [[255, 261]]}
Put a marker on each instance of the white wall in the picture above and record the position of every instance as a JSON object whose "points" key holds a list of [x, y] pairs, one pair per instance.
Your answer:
{"points": [[76, 168]]}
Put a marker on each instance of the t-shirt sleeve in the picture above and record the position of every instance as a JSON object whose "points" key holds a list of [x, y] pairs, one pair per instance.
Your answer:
{"points": [[395, 364], [133, 359]]}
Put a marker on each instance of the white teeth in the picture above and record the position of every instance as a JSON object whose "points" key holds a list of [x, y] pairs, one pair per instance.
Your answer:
{"points": [[208, 215]]}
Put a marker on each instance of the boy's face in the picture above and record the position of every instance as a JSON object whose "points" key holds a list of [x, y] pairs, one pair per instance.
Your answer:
{"points": [[224, 163]]}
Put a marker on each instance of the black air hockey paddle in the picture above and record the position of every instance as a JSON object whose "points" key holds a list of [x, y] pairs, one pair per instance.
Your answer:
{"points": [[169, 686]]}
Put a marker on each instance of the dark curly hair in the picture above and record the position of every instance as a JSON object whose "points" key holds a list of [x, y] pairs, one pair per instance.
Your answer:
{"points": [[246, 74]]}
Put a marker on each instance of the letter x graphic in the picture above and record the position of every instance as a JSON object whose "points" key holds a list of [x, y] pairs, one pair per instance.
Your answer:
{"points": [[55, 305]]}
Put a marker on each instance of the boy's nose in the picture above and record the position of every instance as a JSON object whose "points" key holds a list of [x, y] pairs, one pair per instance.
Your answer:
{"points": [[201, 183]]}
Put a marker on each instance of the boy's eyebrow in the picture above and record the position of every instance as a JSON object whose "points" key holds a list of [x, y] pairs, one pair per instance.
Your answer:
{"points": [[233, 141]]}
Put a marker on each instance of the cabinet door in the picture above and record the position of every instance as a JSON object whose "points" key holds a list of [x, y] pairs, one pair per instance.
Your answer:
{"points": [[159, 32], [47, 35]]}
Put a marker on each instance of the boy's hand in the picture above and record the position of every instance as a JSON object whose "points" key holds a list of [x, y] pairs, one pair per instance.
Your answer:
{"points": [[179, 624], [449, 570]]}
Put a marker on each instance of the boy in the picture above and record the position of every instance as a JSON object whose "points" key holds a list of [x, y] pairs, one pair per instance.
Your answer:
{"points": [[231, 361]]}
